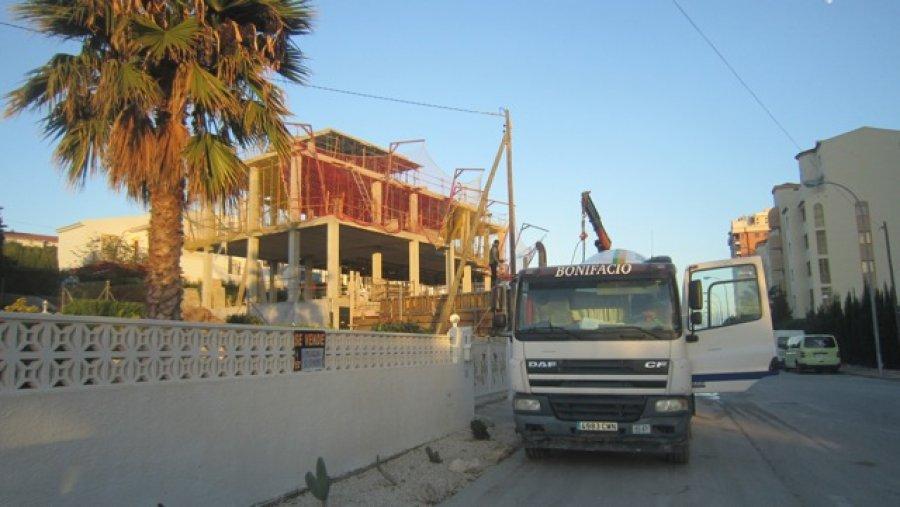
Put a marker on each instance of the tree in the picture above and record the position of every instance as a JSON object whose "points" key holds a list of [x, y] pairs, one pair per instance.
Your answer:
{"points": [[160, 99]]}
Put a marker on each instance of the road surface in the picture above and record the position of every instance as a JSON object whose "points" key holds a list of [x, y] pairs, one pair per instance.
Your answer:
{"points": [[791, 440]]}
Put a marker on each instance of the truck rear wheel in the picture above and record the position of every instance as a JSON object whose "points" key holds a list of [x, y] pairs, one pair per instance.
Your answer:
{"points": [[535, 453]]}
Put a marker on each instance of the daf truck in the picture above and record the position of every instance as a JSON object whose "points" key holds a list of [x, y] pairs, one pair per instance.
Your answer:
{"points": [[609, 355]]}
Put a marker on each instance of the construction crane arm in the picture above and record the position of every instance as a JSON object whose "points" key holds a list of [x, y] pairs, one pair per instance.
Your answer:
{"points": [[587, 207]]}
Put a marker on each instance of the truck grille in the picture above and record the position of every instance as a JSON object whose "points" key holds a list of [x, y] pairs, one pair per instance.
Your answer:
{"points": [[597, 408], [599, 366]]}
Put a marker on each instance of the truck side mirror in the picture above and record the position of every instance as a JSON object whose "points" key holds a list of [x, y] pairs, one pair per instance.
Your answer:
{"points": [[695, 295], [696, 318], [500, 321]]}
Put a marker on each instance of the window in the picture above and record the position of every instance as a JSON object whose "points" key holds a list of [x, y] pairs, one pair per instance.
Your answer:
{"points": [[802, 207], [806, 241], [812, 300], [819, 215], [824, 271], [808, 269], [865, 237], [730, 296], [826, 294], [868, 267], [821, 243]]}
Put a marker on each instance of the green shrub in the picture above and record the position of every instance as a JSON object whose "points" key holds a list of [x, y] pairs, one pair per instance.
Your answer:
{"points": [[243, 318], [398, 327], [101, 308]]}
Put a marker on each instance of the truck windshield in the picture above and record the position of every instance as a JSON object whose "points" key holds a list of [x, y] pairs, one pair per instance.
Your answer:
{"points": [[638, 309]]}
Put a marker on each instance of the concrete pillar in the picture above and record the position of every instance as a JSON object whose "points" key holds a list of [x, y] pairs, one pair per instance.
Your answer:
{"points": [[252, 269], [413, 212], [309, 292], [253, 200], [467, 279], [293, 272], [414, 267], [450, 264], [377, 201], [273, 290], [206, 282], [377, 276], [333, 260], [295, 183]]}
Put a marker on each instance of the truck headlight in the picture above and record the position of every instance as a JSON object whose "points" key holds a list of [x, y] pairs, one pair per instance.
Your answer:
{"points": [[527, 405], [671, 405]]}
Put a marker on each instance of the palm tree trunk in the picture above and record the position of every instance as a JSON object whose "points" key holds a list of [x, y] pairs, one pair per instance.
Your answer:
{"points": [[164, 288]]}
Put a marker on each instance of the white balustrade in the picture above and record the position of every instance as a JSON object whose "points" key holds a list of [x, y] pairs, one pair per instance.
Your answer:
{"points": [[40, 352]]}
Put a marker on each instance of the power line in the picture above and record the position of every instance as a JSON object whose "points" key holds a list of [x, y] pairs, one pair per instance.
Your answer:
{"points": [[337, 90], [20, 27], [398, 100], [738, 76]]}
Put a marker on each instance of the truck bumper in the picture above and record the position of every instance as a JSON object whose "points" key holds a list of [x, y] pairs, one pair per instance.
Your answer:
{"points": [[668, 433]]}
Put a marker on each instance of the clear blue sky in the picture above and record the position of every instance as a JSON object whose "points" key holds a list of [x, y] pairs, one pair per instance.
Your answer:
{"points": [[620, 98]]}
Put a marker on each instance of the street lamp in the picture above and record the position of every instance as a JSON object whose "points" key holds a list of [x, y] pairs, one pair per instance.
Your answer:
{"points": [[862, 227]]}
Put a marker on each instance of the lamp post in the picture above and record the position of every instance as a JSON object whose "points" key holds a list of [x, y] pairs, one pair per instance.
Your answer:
{"points": [[887, 245], [862, 227]]}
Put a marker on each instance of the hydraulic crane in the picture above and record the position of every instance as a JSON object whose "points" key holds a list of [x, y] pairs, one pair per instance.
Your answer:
{"points": [[588, 210]]}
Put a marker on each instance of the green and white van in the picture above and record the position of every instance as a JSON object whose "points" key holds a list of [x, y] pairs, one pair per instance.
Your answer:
{"points": [[812, 352]]}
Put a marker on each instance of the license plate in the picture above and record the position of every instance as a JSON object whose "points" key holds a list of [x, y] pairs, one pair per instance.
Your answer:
{"points": [[597, 426], [640, 429]]}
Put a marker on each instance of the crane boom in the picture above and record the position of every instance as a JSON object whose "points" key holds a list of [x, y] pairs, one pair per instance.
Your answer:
{"points": [[587, 207]]}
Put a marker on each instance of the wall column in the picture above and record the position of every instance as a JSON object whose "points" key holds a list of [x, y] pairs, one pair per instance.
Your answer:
{"points": [[333, 260], [450, 264], [309, 292], [413, 212], [296, 179], [377, 276], [377, 201], [467, 278], [293, 271], [414, 267], [252, 269]]}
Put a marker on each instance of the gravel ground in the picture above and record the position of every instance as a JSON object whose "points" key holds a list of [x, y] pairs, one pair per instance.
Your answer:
{"points": [[420, 482]]}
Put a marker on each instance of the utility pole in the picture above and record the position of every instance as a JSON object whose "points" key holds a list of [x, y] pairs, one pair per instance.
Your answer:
{"points": [[512, 201], [887, 244]]}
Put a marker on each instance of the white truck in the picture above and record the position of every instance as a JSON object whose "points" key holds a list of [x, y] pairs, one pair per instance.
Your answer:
{"points": [[608, 356]]}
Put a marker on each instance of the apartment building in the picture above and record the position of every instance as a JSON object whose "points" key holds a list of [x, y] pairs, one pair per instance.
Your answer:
{"points": [[827, 240]]}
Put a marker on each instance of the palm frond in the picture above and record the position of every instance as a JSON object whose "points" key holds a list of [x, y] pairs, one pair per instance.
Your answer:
{"points": [[160, 42]]}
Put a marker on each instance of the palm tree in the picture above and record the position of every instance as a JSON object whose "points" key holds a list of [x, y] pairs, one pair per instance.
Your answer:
{"points": [[161, 98]]}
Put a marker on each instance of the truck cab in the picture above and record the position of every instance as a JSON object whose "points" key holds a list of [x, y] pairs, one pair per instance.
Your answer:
{"points": [[608, 356]]}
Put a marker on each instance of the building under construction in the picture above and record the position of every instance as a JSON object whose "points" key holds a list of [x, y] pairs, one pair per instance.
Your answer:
{"points": [[344, 233]]}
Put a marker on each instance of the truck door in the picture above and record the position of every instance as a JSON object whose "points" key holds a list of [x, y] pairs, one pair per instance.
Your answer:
{"points": [[731, 347]]}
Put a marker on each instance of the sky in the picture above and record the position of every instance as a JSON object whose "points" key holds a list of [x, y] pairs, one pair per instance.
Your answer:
{"points": [[620, 98]]}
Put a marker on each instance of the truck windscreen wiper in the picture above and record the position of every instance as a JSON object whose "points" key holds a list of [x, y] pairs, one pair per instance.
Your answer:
{"points": [[653, 333], [542, 328]]}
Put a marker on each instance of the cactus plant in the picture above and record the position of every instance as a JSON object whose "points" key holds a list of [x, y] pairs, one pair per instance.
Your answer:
{"points": [[479, 430], [319, 484], [433, 456]]}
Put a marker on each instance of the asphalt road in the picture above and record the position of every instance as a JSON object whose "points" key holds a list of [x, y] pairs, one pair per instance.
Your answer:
{"points": [[810, 439]]}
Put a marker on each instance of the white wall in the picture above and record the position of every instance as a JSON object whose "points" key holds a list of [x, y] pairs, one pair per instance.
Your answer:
{"points": [[240, 428], [74, 239]]}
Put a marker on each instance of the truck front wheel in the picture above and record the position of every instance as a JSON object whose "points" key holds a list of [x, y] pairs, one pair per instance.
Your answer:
{"points": [[680, 456]]}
